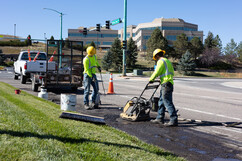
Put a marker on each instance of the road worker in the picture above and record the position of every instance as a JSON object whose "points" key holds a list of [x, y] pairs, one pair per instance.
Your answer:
{"points": [[165, 71], [90, 64]]}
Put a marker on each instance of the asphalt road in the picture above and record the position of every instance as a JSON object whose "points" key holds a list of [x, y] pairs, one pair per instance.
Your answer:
{"points": [[203, 105]]}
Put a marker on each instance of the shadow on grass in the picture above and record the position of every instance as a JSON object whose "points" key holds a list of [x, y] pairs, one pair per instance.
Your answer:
{"points": [[81, 140], [200, 75]]}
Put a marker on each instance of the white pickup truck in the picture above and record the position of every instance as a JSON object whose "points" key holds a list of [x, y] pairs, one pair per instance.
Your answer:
{"points": [[30, 63]]}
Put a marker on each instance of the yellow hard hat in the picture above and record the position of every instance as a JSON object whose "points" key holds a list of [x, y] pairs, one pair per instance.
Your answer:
{"points": [[91, 51], [158, 51]]}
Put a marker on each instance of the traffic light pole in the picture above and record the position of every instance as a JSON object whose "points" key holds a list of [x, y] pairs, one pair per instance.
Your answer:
{"points": [[60, 64], [124, 37]]}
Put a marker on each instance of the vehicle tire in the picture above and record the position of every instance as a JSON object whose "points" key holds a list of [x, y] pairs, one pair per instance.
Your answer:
{"points": [[23, 79], [74, 89], [34, 86], [15, 76]]}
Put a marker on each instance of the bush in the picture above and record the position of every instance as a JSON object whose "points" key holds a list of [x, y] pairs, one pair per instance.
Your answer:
{"points": [[9, 63], [13, 43], [186, 64], [221, 66], [2, 59]]}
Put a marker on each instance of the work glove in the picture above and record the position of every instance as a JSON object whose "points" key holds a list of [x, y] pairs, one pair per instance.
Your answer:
{"points": [[151, 82], [99, 69]]}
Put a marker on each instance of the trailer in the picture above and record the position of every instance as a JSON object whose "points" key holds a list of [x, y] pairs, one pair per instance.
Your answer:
{"points": [[68, 59]]}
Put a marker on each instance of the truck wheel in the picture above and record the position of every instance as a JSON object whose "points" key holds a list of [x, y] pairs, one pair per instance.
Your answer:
{"points": [[34, 86], [23, 79], [74, 89], [15, 76]]}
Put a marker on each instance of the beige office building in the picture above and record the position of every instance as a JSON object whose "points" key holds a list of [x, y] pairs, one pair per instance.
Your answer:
{"points": [[102, 39], [170, 28]]}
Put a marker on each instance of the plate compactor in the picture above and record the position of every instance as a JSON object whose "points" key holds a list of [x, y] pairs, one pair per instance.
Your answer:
{"points": [[138, 108]]}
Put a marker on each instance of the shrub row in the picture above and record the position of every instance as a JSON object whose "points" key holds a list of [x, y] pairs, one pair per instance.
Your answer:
{"points": [[13, 43]]}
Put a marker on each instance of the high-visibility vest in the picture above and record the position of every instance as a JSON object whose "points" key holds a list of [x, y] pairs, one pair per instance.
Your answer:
{"points": [[90, 64], [164, 70]]}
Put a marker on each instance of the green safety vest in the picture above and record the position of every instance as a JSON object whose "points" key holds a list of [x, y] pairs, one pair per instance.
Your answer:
{"points": [[90, 64], [165, 70]]}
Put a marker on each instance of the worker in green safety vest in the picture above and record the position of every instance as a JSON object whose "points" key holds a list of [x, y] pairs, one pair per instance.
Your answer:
{"points": [[165, 71], [90, 64]]}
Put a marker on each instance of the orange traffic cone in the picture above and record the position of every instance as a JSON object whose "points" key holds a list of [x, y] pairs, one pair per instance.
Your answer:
{"points": [[110, 87]]}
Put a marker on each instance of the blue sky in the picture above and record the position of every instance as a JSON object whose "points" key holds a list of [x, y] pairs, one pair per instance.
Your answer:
{"points": [[221, 17]]}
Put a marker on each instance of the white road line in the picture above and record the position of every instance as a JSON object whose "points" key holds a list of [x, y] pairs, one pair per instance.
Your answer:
{"points": [[210, 113], [232, 84], [10, 72], [209, 97]]}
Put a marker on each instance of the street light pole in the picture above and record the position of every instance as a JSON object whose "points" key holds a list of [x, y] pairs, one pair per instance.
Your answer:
{"points": [[61, 14], [124, 37], [14, 30]]}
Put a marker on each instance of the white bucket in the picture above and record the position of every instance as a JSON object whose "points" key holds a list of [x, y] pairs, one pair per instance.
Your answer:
{"points": [[68, 102], [43, 94]]}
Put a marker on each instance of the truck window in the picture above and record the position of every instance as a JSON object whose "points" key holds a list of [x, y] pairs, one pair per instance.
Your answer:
{"points": [[41, 56]]}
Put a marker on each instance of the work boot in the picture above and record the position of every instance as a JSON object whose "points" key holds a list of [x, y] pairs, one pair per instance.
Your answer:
{"points": [[171, 123], [92, 106], [157, 121], [96, 106], [86, 106]]}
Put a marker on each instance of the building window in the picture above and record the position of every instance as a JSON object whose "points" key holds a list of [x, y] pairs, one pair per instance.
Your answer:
{"points": [[133, 35], [119, 35], [171, 28], [92, 35], [128, 35], [189, 29], [110, 35], [171, 37], [146, 37], [107, 43]]}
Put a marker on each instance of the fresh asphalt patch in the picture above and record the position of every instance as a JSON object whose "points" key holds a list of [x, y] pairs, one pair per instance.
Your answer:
{"points": [[186, 140]]}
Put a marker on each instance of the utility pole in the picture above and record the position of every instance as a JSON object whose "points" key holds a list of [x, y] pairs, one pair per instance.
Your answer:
{"points": [[124, 37]]}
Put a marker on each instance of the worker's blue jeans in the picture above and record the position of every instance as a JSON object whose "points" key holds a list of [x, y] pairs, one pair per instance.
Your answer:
{"points": [[165, 101], [87, 82]]}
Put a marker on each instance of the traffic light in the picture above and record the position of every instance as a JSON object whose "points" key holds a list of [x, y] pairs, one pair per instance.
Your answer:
{"points": [[98, 27], [124, 44], [85, 31], [107, 24]]}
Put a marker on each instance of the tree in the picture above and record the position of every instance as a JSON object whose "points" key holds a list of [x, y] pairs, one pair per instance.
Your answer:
{"points": [[132, 54], [239, 51], [107, 61], [155, 41], [29, 42], [117, 54], [52, 39], [93, 44], [231, 48], [218, 42], [208, 43], [210, 56], [67, 43], [211, 41], [181, 45], [231, 52], [196, 47], [186, 64]]}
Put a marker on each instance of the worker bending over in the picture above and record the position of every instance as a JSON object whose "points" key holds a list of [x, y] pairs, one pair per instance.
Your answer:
{"points": [[90, 64], [165, 71]]}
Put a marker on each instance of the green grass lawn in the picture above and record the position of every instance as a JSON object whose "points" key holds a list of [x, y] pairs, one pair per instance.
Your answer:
{"points": [[30, 129]]}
